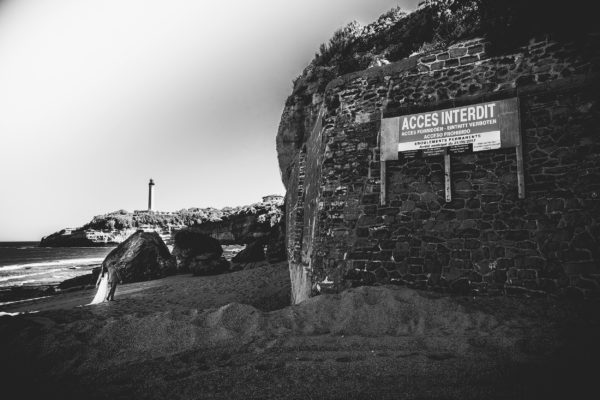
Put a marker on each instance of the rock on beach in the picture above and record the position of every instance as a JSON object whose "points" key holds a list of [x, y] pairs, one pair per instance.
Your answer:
{"points": [[198, 253], [142, 257]]}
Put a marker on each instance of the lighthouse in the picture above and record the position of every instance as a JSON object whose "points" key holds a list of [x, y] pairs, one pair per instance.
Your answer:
{"points": [[150, 194]]}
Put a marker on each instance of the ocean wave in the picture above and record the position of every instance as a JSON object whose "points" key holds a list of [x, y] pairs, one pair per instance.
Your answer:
{"points": [[10, 277], [12, 314], [55, 263]]}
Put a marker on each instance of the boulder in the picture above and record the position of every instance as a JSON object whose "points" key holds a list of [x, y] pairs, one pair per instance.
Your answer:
{"points": [[253, 256], [251, 253], [142, 257], [198, 253]]}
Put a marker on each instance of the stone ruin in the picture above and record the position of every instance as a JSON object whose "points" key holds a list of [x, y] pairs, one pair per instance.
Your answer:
{"points": [[349, 224]]}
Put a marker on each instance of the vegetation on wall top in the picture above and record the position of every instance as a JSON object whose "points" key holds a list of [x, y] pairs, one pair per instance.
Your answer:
{"points": [[438, 23]]}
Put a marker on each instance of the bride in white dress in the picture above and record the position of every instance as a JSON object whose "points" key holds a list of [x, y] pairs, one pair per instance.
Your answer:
{"points": [[102, 285]]}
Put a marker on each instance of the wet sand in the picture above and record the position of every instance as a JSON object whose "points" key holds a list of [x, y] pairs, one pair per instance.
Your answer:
{"points": [[258, 287]]}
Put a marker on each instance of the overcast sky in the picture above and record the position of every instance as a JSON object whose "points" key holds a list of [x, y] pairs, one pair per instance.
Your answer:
{"points": [[96, 97]]}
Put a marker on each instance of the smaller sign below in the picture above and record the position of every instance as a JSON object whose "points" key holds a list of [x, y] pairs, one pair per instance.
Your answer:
{"points": [[474, 142], [460, 149], [436, 151], [487, 141], [409, 154]]}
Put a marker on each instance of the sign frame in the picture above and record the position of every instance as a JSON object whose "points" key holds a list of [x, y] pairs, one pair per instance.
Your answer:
{"points": [[501, 127]]}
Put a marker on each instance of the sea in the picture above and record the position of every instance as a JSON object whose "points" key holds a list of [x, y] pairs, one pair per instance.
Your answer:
{"points": [[26, 264]]}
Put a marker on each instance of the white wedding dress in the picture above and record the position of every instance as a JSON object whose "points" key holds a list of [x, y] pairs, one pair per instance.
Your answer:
{"points": [[102, 291]]}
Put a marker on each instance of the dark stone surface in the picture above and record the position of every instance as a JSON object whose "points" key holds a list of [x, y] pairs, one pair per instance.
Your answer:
{"points": [[143, 256], [198, 253], [252, 252], [190, 243], [335, 222]]}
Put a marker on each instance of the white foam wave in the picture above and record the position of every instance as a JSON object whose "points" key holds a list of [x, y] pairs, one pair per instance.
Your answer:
{"points": [[12, 314], [55, 263], [10, 277]]}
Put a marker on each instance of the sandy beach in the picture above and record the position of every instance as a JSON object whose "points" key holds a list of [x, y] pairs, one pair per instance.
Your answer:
{"points": [[259, 287], [235, 336]]}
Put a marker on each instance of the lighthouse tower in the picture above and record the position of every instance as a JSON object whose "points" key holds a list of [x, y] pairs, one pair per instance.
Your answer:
{"points": [[150, 194]]}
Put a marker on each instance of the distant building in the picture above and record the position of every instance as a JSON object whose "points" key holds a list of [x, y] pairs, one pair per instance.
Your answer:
{"points": [[272, 197], [148, 228]]}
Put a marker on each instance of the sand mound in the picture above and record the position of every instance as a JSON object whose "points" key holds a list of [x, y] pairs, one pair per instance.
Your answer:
{"points": [[93, 344], [377, 311]]}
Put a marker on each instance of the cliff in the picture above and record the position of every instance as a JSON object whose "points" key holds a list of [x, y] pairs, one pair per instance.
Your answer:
{"points": [[230, 225], [355, 219], [80, 237]]}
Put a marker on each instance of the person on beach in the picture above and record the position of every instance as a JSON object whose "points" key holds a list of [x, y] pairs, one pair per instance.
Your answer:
{"points": [[102, 285], [113, 276]]}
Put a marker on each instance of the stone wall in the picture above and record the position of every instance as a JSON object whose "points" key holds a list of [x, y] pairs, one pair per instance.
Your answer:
{"points": [[486, 240]]}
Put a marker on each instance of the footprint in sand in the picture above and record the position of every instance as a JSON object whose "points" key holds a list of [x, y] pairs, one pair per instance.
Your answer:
{"points": [[440, 356]]}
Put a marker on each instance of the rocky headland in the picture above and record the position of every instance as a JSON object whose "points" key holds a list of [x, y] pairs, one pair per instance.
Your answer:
{"points": [[229, 225], [144, 256], [144, 240]]}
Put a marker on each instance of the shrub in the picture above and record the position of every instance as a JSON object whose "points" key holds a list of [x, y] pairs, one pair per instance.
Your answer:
{"points": [[439, 23]]}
